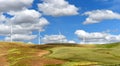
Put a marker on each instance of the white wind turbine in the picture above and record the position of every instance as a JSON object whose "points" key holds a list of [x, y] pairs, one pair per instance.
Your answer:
{"points": [[84, 40], [11, 32], [60, 36], [39, 37]]}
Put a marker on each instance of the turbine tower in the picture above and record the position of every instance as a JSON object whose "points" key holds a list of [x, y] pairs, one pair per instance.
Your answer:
{"points": [[11, 32], [84, 40], [39, 37], [60, 34]]}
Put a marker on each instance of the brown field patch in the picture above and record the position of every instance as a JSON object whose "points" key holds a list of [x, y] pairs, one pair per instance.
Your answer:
{"points": [[40, 61], [3, 61], [37, 55], [44, 61]]}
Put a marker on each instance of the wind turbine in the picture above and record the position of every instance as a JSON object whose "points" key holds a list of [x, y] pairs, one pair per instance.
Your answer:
{"points": [[11, 32], [84, 40], [39, 37], [60, 36]]}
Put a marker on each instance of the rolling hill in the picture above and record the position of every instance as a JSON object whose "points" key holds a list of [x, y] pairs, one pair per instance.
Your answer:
{"points": [[59, 54]]}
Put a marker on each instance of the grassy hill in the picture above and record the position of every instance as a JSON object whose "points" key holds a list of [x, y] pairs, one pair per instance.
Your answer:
{"points": [[64, 54]]}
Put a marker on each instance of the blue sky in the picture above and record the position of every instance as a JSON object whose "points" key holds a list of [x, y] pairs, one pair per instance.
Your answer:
{"points": [[69, 24]]}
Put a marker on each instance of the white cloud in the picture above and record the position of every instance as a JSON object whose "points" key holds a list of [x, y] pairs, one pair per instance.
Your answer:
{"points": [[29, 20], [41, 24], [113, 38], [21, 37], [97, 16], [24, 22], [57, 8], [2, 18], [96, 37], [54, 39], [71, 41], [17, 29], [25, 16], [4, 29], [30, 43], [14, 5]]}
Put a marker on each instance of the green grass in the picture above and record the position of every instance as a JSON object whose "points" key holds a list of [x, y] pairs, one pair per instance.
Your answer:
{"points": [[20, 54], [79, 54], [76, 64], [16, 55], [112, 45]]}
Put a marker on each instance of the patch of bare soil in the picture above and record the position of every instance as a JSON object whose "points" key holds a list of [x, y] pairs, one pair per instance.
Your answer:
{"points": [[3, 61], [43, 52], [40, 61], [45, 61]]}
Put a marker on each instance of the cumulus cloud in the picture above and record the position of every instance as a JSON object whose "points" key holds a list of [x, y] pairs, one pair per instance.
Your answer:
{"points": [[2, 18], [57, 8], [56, 39], [20, 37], [71, 41], [24, 22], [41, 24], [29, 19], [96, 37], [97, 16], [25, 16], [4, 30], [14, 5], [113, 38], [17, 29]]}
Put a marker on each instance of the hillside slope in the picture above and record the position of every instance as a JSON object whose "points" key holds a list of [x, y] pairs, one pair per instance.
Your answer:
{"points": [[21, 54]]}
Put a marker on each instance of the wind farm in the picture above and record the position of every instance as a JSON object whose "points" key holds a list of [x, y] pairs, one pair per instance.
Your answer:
{"points": [[59, 33]]}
